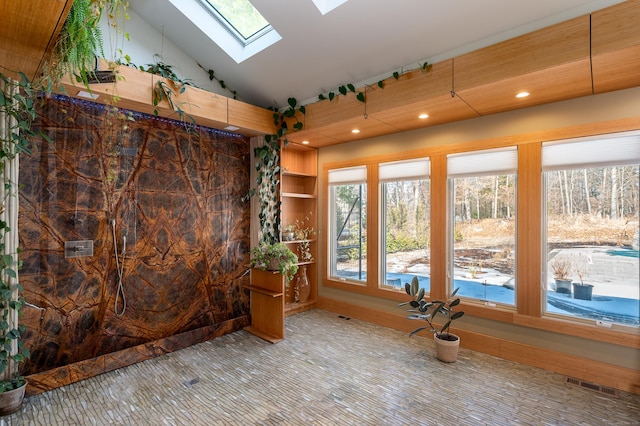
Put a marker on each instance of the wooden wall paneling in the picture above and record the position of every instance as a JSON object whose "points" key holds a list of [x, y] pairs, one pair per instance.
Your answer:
{"points": [[546, 48], [529, 216], [369, 127], [251, 120], [411, 87], [28, 32], [313, 137], [323, 113], [564, 81], [439, 256], [616, 70], [615, 44], [134, 90], [443, 109], [372, 240], [616, 27]]}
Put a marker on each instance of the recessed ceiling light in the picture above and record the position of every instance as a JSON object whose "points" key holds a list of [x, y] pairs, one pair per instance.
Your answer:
{"points": [[522, 95], [355, 131], [305, 142], [423, 116]]}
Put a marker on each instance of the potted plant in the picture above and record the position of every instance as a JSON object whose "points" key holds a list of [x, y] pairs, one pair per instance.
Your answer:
{"points": [[303, 232], [581, 290], [289, 233], [447, 343], [275, 257], [561, 267]]}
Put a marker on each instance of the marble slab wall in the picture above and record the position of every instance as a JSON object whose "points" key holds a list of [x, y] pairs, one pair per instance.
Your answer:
{"points": [[175, 192]]}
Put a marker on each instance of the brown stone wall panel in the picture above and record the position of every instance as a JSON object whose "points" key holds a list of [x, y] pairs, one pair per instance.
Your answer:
{"points": [[177, 194]]}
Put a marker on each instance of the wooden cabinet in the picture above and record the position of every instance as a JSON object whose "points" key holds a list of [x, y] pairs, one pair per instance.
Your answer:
{"points": [[267, 305], [299, 193]]}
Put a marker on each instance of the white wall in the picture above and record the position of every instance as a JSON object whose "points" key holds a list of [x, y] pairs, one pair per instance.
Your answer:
{"points": [[145, 42]]}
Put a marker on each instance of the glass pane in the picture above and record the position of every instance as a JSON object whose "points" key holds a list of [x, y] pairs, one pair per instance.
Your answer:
{"points": [[592, 239], [405, 238], [241, 15], [484, 238], [348, 232]]}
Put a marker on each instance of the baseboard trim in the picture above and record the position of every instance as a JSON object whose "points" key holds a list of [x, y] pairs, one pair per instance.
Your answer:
{"points": [[617, 377]]}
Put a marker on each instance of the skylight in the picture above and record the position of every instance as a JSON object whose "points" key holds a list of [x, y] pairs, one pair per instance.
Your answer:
{"points": [[234, 25], [240, 17], [326, 6]]}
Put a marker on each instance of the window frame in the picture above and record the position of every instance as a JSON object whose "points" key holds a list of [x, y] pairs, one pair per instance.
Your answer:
{"points": [[484, 161], [586, 153], [411, 169], [529, 208]]}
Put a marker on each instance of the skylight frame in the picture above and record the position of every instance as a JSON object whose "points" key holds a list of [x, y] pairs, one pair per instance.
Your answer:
{"points": [[231, 28], [218, 32]]}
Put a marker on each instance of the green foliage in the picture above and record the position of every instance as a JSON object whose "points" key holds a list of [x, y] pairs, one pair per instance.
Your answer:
{"points": [[276, 255], [344, 89], [19, 107], [400, 241], [457, 235], [212, 76], [427, 311], [79, 43]]}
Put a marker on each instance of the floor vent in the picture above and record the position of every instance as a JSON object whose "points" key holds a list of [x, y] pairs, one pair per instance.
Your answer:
{"points": [[592, 386]]}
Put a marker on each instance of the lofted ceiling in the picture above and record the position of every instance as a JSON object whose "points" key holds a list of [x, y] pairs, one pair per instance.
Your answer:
{"points": [[359, 41], [483, 53]]}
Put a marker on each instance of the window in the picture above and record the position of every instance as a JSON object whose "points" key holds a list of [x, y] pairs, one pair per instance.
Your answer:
{"points": [[591, 195], [404, 210], [243, 20], [482, 229], [234, 25], [347, 223]]}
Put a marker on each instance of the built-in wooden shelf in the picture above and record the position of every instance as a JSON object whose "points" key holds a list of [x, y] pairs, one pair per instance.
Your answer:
{"points": [[297, 195], [267, 305]]}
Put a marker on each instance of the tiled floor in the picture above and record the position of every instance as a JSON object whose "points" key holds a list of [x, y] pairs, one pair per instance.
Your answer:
{"points": [[328, 371]]}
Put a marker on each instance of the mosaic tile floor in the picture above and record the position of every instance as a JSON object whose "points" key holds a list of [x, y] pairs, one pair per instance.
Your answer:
{"points": [[328, 371]]}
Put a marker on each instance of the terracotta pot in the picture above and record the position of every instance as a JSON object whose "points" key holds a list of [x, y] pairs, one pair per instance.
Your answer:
{"points": [[447, 350], [11, 401]]}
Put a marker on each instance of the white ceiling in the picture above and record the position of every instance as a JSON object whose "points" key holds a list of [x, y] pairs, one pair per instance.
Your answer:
{"points": [[361, 41]]}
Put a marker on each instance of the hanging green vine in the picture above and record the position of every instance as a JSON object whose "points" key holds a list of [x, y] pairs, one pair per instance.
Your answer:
{"points": [[212, 77], [343, 90]]}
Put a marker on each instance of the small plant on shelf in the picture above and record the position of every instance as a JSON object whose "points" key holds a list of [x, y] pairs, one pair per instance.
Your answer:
{"points": [[275, 257], [303, 232]]}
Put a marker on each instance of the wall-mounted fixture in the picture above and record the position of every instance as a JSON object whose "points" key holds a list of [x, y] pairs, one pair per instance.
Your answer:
{"points": [[78, 248]]}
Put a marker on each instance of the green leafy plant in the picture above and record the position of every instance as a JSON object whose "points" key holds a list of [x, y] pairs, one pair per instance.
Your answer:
{"points": [[17, 107], [427, 311], [276, 256], [79, 43]]}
